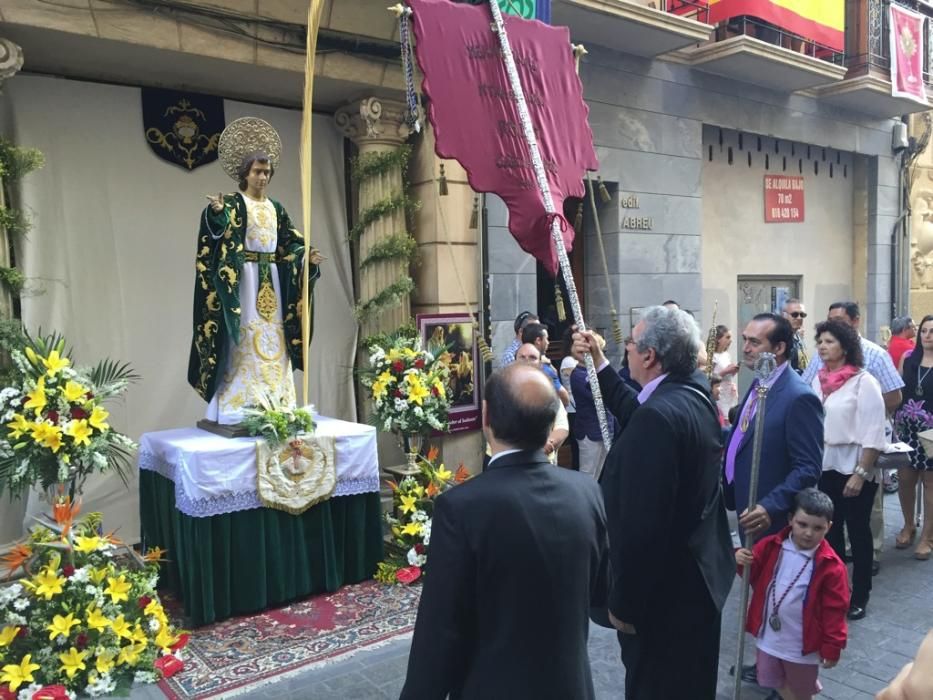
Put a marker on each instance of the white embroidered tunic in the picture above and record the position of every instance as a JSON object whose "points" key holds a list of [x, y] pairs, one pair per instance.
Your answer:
{"points": [[259, 364]]}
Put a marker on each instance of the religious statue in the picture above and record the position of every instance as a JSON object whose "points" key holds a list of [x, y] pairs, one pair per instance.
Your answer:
{"points": [[248, 287]]}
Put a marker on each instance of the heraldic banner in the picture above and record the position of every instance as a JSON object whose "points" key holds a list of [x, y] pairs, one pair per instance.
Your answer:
{"points": [[822, 21], [182, 128], [907, 54], [476, 120], [297, 474]]}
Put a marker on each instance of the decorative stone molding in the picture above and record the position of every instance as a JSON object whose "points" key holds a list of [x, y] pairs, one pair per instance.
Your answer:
{"points": [[374, 121], [11, 59]]}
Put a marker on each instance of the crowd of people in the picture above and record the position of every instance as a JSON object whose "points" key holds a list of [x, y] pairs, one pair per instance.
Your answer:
{"points": [[635, 536]]}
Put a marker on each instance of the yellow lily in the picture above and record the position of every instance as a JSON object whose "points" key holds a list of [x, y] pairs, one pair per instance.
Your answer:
{"points": [[74, 392], [19, 426], [165, 638], [129, 655], [443, 473], [36, 397], [417, 392], [7, 635], [55, 363], [98, 418], [32, 357], [139, 636], [155, 609], [48, 583], [88, 544], [105, 661], [408, 504], [118, 589], [412, 529], [418, 490], [80, 431], [47, 435], [72, 662], [121, 628], [393, 355], [18, 674], [98, 575], [97, 621], [62, 625]]}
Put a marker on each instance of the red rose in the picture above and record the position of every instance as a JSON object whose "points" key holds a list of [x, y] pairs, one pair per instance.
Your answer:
{"points": [[435, 391], [51, 692], [6, 693], [419, 548], [52, 416], [23, 631], [408, 575], [398, 393], [398, 366], [182, 642], [89, 396], [81, 641], [168, 665], [78, 413], [68, 570], [419, 363], [144, 601]]}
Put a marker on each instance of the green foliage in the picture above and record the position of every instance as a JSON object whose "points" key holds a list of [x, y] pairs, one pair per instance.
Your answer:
{"points": [[16, 223], [13, 279], [398, 246], [384, 340], [276, 423], [16, 162], [390, 296], [370, 165], [380, 209]]}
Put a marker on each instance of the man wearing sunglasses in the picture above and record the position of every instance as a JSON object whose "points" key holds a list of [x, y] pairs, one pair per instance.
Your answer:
{"points": [[795, 314]]}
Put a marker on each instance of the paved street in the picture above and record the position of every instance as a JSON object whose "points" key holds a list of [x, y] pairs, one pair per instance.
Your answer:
{"points": [[900, 613]]}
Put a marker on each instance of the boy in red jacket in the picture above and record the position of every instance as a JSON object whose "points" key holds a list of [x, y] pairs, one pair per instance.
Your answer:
{"points": [[800, 595]]}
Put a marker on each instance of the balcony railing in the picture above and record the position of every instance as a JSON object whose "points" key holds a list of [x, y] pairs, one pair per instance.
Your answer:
{"points": [[868, 31]]}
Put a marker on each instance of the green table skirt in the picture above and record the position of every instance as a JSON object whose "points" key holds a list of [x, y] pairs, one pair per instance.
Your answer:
{"points": [[250, 560]]}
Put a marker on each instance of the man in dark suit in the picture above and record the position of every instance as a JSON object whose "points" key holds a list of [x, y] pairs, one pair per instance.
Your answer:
{"points": [[671, 552], [791, 443], [518, 556]]}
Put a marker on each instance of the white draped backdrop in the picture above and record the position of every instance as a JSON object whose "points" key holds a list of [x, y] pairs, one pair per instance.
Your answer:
{"points": [[111, 255]]}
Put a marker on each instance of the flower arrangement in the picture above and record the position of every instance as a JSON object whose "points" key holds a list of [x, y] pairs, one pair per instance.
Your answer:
{"points": [[55, 427], [81, 621], [407, 387], [411, 516], [275, 422]]}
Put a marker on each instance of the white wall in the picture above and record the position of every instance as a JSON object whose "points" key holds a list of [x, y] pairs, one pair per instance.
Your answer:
{"points": [[736, 240]]}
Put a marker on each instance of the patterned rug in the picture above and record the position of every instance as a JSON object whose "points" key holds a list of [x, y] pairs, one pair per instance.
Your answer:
{"points": [[235, 656]]}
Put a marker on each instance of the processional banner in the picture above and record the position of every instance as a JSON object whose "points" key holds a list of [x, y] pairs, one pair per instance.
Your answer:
{"points": [[182, 128], [906, 53], [476, 120], [822, 21]]}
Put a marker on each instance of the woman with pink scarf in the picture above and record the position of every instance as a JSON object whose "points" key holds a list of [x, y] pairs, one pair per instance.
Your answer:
{"points": [[853, 437]]}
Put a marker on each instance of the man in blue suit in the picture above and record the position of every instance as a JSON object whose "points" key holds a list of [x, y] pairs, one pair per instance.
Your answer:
{"points": [[792, 440]]}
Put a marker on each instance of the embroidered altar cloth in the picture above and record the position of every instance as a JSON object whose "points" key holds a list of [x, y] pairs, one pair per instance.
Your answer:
{"points": [[215, 475]]}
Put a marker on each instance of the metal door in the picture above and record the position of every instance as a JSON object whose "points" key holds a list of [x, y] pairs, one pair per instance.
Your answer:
{"points": [[757, 295]]}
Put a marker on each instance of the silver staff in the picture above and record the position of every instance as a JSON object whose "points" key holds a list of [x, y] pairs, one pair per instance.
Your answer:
{"points": [[764, 367], [532, 142]]}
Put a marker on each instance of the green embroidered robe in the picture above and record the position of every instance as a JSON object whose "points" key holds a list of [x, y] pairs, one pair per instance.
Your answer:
{"points": [[219, 264]]}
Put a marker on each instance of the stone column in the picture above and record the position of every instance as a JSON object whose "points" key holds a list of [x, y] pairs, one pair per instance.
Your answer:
{"points": [[11, 520], [376, 125]]}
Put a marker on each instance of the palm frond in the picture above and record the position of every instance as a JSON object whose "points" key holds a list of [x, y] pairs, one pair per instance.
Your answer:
{"points": [[121, 460], [108, 372], [44, 344]]}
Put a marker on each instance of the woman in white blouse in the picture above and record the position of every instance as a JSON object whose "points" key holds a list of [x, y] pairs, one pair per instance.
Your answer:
{"points": [[727, 369], [853, 437]]}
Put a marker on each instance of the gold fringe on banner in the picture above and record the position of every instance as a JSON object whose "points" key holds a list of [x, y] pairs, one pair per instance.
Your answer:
{"points": [[314, 22]]}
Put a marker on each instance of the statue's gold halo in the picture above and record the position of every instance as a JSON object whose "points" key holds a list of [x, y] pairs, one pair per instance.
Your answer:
{"points": [[246, 136]]}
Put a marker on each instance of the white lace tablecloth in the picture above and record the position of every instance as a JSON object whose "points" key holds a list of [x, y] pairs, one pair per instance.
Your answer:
{"points": [[215, 475]]}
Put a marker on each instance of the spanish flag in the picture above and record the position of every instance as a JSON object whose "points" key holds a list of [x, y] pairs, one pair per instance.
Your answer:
{"points": [[822, 21]]}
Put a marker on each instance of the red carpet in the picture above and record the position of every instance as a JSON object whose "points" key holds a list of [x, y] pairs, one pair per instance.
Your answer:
{"points": [[237, 656]]}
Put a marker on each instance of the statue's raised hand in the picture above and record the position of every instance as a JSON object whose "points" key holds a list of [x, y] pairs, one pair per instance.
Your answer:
{"points": [[315, 257], [217, 203]]}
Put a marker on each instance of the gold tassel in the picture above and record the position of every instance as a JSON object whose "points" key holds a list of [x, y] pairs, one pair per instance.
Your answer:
{"points": [[617, 329], [578, 219], [559, 302], [474, 215], [442, 182], [484, 350], [603, 192]]}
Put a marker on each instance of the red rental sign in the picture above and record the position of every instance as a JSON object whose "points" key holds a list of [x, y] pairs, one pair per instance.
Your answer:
{"points": [[783, 199]]}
